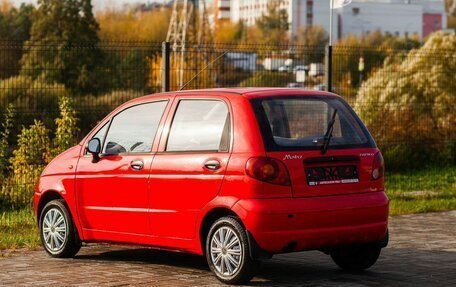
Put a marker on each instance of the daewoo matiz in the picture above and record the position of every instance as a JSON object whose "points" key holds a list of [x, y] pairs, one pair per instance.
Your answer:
{"points": [[236, 175]]}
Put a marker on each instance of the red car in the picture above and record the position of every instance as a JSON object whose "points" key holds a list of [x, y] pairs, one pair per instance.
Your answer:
{"points": [[236, 175]]}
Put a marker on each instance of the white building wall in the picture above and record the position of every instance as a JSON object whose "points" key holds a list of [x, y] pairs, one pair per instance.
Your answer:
{"points": [[250, 10], [394, 18], [362, 16], [222, 9]]}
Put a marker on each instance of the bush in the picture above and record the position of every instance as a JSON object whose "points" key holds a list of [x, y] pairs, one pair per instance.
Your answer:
{"points": [[268, 79], [27, 163], [29, 95], [409, 105], [32, 99], [7, 126], [66, 128]]}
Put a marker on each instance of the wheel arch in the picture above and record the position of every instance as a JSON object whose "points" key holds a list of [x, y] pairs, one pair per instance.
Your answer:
{"points": [[256, 252], [50, 195], [210, 217], [46, 197]]}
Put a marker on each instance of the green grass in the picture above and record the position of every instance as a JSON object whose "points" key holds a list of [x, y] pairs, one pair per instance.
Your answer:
{"points": [[422, 191], [18, 229], [409, 192]]}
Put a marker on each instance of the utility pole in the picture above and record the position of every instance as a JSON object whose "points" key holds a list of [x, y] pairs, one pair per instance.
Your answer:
{"points": [[334, 4]]}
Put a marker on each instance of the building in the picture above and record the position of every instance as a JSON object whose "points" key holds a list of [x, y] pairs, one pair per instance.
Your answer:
{"points": [[300, 12], [222, 9], [397, 17]]}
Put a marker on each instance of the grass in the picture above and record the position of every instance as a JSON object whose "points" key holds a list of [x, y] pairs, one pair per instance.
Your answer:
{"points": [[422, 191], [18, 229], [409, 192]]}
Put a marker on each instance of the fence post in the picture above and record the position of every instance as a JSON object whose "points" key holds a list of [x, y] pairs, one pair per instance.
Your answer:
{"points": [[166, 52], [329, 54]]}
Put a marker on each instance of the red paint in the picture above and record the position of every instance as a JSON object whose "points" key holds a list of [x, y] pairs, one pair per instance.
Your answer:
{"points": [[165, 203], [432, 22]]}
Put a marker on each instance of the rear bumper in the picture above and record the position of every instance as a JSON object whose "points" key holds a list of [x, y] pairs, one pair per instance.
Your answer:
{"points": [[296, 224]]}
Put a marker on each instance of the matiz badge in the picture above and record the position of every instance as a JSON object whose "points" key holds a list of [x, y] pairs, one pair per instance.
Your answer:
{"points": [[294, 156]]}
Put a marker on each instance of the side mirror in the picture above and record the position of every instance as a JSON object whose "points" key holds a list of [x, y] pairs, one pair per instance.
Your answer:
{"points": [[94, 147]]}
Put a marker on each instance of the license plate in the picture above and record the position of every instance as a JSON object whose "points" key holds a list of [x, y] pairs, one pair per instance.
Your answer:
{"points": [[332, 175]]}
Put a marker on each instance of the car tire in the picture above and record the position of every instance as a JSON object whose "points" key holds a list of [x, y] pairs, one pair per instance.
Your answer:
{"points": [[228, 253], [356, 258], [57, 231]]}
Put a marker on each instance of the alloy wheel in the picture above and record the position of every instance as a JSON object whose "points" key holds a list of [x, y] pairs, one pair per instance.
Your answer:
{"points": [[226, 251], [54, 229]]}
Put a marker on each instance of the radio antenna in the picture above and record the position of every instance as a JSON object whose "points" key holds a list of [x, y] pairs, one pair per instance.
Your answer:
{"points": [[203, 69]]}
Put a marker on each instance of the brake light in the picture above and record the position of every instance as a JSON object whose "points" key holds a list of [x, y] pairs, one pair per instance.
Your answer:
{"points": [[378, 166], [268, 170]]}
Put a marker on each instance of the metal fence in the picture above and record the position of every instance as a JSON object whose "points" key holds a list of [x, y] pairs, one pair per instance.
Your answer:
{"points": [[398, 94]]}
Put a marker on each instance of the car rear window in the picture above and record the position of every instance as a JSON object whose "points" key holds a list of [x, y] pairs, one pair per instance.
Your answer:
{"points": [[295, 123]]}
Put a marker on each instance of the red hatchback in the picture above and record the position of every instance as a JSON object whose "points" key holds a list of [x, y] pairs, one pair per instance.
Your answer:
{"points": [[237, 175]]}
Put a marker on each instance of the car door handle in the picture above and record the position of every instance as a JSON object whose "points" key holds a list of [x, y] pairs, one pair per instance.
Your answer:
{"points": [[212, 164], [137, 165]]}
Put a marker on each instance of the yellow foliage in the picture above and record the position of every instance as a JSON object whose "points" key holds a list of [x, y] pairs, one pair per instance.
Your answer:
{"points": [[226, 32], [134, 26], [313, 36], [413, 101], [193, 64], [5, 6]]}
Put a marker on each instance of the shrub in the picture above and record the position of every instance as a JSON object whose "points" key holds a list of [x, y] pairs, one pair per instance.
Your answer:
{"points": [[66, 130], [7, 126], [267, 79], [30, 95], [34, 150], [409, 105], [27, 163], [32, 99]]}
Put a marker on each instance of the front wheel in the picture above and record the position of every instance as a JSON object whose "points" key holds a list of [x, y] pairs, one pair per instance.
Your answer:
{"points": [[227, 252], [57, 231], [356, 258]]}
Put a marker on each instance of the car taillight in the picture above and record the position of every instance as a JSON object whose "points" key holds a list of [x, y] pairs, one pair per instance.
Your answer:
{"points": [[268, 170], [378, 166]]}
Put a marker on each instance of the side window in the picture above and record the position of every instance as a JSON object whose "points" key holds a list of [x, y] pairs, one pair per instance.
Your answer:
{"points": [[133, 130], [200, 125]]}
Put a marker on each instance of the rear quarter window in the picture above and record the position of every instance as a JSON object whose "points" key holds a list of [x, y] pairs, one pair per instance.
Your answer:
{"points": [[200, 125]]}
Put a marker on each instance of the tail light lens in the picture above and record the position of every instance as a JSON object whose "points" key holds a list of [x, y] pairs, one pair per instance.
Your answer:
{"points": [[378, 166], [268, 170]]}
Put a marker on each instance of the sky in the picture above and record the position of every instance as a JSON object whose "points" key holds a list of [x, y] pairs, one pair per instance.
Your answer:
{"points": [[98, 4]]}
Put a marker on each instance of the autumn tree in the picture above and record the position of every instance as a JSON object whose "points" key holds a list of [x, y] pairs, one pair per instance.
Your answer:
{"points": [[274, 25], [315, 36], [63, 45], [151, 25], [15, 25], [373, 48]]}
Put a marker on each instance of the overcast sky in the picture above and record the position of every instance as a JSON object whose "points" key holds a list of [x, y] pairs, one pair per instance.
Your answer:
{"points": [[98, 4]]}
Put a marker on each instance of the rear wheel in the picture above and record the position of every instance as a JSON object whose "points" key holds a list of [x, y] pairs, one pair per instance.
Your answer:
{"points": [[57, 231], [356, 258], [228, 254]]}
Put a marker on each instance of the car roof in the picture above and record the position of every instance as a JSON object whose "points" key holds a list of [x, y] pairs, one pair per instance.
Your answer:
{"points": [[250, 93]]}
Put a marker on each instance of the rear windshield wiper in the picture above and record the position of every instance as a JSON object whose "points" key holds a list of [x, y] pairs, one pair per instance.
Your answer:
{"points": [[329, 132]]}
